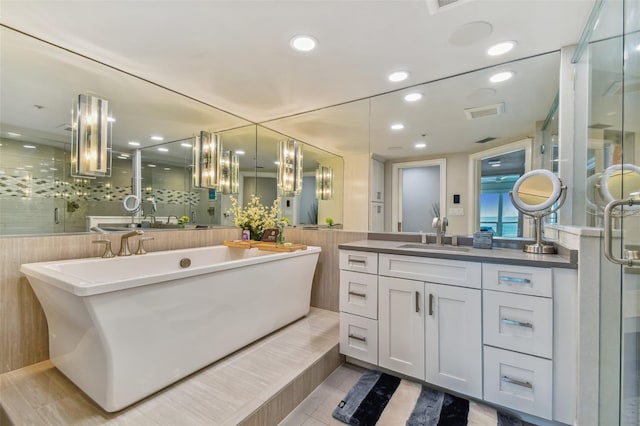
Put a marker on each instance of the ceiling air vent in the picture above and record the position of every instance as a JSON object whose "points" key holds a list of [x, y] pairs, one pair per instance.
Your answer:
{"points": [[484, 111], [485, 140], [65, 126], [436, 6]]}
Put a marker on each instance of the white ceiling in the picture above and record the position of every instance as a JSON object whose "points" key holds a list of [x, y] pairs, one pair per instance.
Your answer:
{"points": [[235, 55]]}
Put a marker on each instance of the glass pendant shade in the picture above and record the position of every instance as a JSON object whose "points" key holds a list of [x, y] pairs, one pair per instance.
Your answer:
{"points": [[324, 183], [91, 137], [207, 160], [290, 167]]}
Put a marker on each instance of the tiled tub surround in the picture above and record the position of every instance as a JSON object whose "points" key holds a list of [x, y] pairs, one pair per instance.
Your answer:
{"points": [[23, 327], [496, 325]]}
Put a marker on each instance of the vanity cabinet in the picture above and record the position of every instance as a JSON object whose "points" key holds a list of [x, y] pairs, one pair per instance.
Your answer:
{"points": [[505, 334]]}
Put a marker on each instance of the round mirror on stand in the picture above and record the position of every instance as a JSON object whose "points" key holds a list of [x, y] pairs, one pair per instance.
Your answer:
{"points": [[534, 194], [131, 204]]}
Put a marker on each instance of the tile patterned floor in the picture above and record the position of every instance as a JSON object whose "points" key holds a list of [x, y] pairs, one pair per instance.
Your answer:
{"points": [[316, 409]]}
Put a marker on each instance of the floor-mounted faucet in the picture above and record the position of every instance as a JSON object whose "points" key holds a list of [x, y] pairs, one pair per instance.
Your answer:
{"points": [[440, 225]]}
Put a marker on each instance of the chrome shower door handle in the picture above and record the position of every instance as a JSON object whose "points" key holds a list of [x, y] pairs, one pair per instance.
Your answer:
{"points": [[608, 232]]}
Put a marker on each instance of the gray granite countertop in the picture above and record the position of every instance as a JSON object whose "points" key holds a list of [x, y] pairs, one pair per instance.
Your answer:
{"points": [[565, 259]]}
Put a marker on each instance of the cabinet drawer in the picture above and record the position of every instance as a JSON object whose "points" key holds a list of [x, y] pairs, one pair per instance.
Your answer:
{"points": [[359, 294], [518, 322], [359, 261], [435, 270], [518, 381], [517, 279], [359, 337]]}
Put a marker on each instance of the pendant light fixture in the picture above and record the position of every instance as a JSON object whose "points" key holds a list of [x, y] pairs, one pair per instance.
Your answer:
{"points": [[324, 183], [91, 137], [290, 167], [206, 160]]}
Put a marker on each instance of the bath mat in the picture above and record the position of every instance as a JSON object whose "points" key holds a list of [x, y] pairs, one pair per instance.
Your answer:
{"points": [[383, 399]]}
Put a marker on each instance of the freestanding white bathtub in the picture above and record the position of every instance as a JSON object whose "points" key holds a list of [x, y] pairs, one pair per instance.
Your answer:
{"points": [[125, 327]]}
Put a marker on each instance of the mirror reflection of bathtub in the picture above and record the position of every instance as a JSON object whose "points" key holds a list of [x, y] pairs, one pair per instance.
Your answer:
{"points": [[124, 328]]}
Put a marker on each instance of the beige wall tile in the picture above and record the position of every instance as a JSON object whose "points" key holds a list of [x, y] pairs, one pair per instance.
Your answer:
{"points": [[23, 329]]}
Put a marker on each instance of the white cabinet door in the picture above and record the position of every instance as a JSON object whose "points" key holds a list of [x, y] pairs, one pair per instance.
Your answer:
{"points": [[376, 217], [401, 326], [377, 181], [454, 338]]}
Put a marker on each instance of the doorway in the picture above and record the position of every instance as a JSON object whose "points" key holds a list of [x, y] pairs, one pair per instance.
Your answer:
{"points": [[419, 194]]}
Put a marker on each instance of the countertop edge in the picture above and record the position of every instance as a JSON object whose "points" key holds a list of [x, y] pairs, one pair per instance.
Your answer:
{"points": [[561, 262]]}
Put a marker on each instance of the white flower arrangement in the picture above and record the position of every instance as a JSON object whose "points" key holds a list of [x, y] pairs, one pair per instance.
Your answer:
{"points": [[255, 217]]}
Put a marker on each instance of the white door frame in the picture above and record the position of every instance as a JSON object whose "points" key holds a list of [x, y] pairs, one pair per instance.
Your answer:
{"points": [[475, 168], [396, 185]]}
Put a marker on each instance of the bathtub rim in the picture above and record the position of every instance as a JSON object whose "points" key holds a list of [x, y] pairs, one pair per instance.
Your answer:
{"points": [[83, 288]]}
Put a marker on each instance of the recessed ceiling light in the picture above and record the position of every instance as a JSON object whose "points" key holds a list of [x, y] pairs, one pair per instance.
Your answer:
{"points": [[186, 145], [163, 149], [151, 165], [397, 126], [29, 146], [398, 76], [412, 97], [501, 48], [122, 157], [420, 145], [167, 168], [111, 119], [239, 152], [303, 43], [501, 76], [134, 143], [277, 163], [156, 138], [13, 134]]}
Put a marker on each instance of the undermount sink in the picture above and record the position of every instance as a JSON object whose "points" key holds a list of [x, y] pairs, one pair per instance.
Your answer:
{"points": [[434, 247]]}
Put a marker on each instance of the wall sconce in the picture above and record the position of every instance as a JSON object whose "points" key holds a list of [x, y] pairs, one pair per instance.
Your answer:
{"points": [[91, 137], [229, 173], [324, 183], [290, 167], [206, 160]]}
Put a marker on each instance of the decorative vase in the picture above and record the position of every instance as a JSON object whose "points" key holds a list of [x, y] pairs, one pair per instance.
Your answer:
{"points": [[281, 236]]}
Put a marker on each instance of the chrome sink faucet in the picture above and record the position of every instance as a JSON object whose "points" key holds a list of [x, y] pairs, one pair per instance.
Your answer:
{"points": [[170, 216], [124, 242], [440, 225]]}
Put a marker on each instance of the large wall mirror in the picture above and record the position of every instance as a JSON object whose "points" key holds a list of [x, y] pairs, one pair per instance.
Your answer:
{"points": [[484, 134], [38, 195]]}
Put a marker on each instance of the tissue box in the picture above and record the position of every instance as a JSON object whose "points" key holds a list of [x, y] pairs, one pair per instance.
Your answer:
{"points": [[483, 240]]}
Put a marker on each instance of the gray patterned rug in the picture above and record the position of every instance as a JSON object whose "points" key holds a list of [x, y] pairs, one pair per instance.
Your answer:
{"points": [[380, 398]]}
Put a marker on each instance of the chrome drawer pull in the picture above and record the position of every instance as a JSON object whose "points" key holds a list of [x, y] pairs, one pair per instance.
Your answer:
{"points": [[417, 301], [514, 322], [508, 379], [355, 293], [359, 261], [362, 339], [515, 280]]}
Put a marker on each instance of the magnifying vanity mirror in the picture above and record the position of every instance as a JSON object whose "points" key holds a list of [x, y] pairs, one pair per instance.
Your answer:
{"points": [[538, 193], [620, 181]]}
